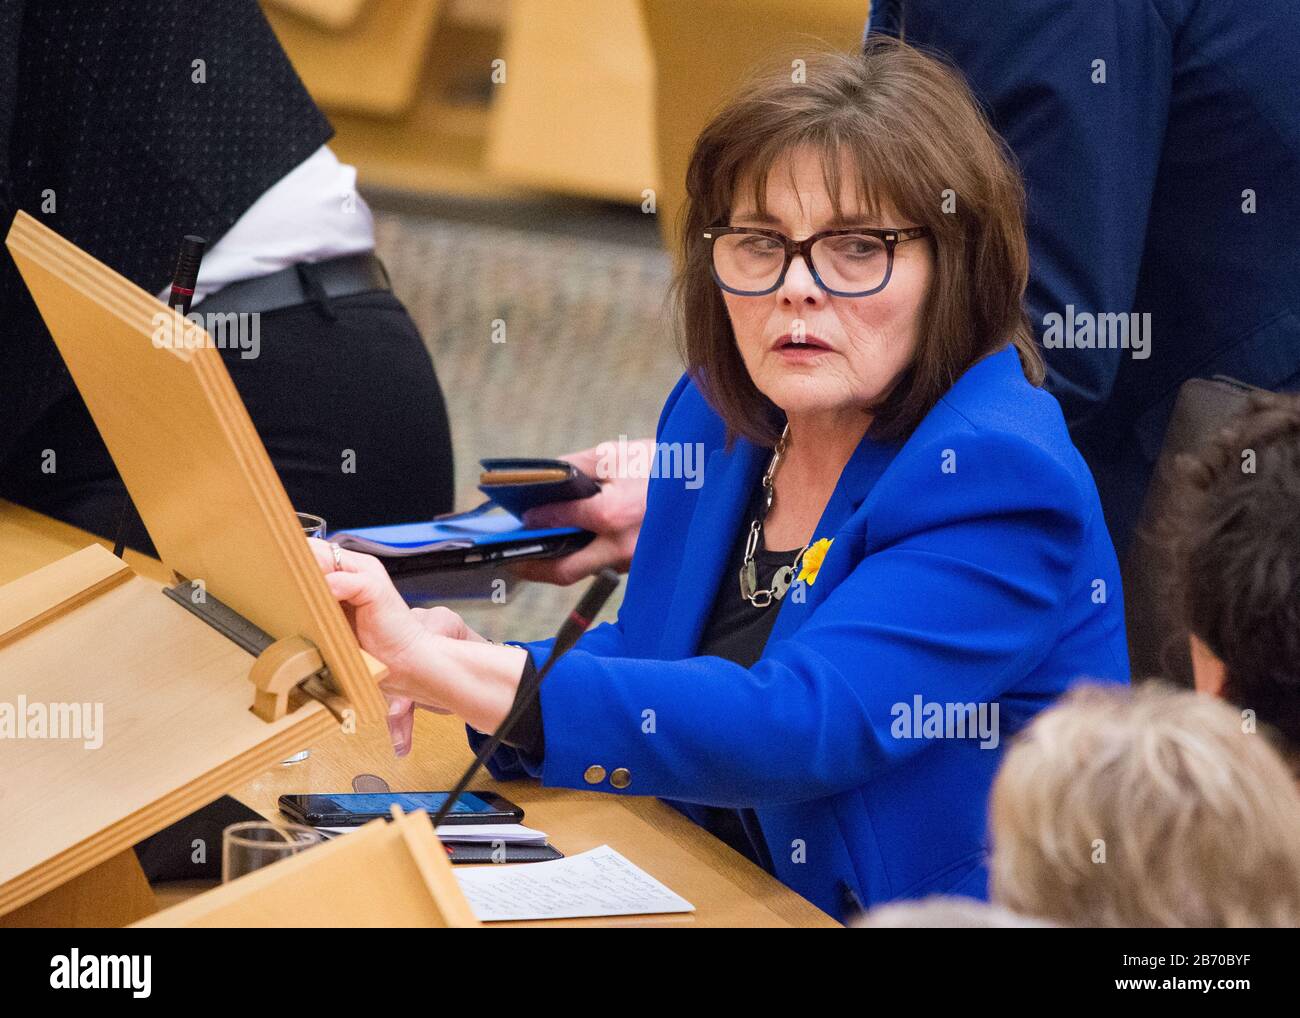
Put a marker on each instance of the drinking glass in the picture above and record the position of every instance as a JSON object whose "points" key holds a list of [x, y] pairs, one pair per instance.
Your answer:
{"points": [[312, 525], [250, 845]]}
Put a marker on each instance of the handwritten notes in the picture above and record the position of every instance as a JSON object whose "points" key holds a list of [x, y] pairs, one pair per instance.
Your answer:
{"points": [[596, 883]]}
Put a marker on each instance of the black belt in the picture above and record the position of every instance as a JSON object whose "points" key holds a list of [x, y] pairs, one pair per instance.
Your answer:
{"points": [[300, 284]]}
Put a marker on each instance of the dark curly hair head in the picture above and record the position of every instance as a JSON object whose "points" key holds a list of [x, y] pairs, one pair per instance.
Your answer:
{"points": [[1238, 546]]}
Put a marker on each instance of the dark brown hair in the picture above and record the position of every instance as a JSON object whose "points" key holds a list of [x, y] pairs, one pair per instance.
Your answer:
{"points": [[1237, 542], [913, 131]]}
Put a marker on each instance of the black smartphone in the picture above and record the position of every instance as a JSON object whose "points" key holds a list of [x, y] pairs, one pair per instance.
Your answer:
{"points": [[518, 485], [352, 809]]}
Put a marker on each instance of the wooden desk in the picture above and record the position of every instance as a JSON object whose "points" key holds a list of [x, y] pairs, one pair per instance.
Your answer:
{"points": [[726, 889]]}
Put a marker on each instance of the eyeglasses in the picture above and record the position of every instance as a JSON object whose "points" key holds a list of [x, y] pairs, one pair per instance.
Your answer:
{"points": [[845, 263]]}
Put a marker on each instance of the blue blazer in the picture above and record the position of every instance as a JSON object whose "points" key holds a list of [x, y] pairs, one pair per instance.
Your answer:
{"points": [[969, 565], [1173, 188]]}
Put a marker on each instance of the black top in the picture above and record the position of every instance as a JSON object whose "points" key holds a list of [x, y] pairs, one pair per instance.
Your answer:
{"points": [[735, 630], [107, 137]]}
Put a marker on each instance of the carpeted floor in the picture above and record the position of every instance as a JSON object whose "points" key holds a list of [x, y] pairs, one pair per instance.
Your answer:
{"points": [[587, 353]]}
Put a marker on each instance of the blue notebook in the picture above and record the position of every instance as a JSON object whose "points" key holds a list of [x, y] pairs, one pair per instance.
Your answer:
{"points": [[481, 536]]}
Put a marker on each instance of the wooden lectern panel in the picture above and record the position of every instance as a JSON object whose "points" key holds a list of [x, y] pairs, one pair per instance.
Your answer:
{"points": [[144, 717], [383, 875], [188, 452], [368, 63], [334, 15], [546, 118]]}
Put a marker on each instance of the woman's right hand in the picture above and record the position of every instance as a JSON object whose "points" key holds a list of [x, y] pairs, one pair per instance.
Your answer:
{"points": [[387, 628], [439, 621], [444, 622]]}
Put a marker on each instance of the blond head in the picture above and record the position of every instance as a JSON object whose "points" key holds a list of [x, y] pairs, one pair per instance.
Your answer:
{"points": [[1150, 807]]}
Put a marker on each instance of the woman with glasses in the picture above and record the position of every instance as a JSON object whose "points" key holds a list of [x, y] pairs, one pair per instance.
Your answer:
{"points": [[896, 557]]}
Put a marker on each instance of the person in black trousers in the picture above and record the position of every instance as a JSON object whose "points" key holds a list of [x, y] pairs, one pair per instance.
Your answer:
{"points": [[124, 127]]}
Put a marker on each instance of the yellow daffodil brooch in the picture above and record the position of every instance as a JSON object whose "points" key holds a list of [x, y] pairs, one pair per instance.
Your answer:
{"points": [[812, 560]]}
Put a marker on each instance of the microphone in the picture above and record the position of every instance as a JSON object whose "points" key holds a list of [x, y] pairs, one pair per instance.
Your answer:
{"points": [[605, 583], [187, 273]]}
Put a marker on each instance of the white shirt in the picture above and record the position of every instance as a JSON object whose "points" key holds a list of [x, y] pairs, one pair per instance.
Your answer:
{"points": [[311, 214]]}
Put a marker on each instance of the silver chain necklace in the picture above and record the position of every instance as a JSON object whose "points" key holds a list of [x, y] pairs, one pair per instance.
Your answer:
{"points": [[784, 576]]}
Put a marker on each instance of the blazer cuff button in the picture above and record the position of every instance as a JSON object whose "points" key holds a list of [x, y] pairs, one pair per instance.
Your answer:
{"points": [[621, 777], [594, 774]]}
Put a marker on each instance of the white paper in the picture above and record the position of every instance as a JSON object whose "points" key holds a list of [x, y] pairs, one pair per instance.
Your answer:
{"points": [[511, 834], [596, 883]]}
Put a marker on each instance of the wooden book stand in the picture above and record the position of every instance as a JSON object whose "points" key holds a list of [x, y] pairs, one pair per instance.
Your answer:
{"points": [[385, 874], [246, 660]]}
